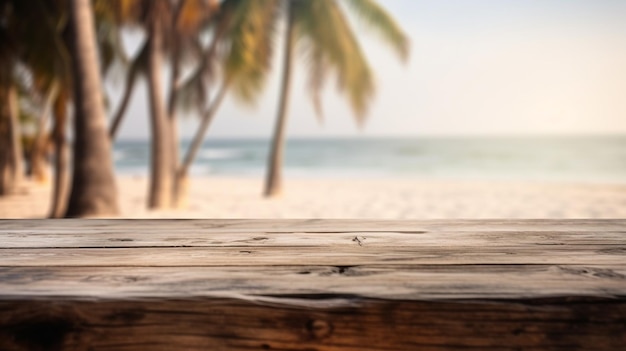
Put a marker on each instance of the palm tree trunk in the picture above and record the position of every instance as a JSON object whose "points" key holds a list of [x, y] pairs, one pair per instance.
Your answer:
{"points": [[182, 171], [60, 190], [93, 191], [121, 110], [161, 165], [171, 111], [6, 172], [16, 136], [207, 118], [11, 163], [273, 182]]}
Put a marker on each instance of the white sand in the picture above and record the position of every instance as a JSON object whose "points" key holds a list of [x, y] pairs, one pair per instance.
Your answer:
{"points": [[362, 198]]}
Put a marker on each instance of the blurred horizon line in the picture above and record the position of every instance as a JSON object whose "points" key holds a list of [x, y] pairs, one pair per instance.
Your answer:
{"points": [[186, 139]]}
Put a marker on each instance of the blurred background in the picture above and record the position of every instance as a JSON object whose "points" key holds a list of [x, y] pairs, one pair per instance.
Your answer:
{"points": [[313, 109]]}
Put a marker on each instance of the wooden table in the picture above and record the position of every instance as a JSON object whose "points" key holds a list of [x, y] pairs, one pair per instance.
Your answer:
{"points": [[312, 285]]}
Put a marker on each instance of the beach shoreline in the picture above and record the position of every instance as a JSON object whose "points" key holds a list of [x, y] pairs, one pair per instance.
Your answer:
{"points": [[358, 198]]}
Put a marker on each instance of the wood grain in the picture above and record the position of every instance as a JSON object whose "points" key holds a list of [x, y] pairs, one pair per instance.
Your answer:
{"points": [[312, 285], [105, 226], [217, 238], [219, 324], [421, 282], [349, 256]]}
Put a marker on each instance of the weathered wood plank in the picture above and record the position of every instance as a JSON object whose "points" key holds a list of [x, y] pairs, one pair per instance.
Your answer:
{"points": [[312, 285], [427, 283], [104, 226], [214, 238], [345, 256], [367, 325]]}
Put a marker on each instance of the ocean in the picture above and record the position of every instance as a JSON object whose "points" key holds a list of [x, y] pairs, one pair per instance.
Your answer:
{"points": [[561, 159]]}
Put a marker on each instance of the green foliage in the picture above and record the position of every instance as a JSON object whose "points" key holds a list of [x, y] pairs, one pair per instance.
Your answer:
{"points": [[377, 19], [33, 53], [249, 45], [33, 33], [324, 38], [181, 24], [241, 50], [330, 47]]}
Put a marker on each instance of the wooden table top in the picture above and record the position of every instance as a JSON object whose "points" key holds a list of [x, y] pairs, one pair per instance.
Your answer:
{"points": [[387, 273], [429, 260]]}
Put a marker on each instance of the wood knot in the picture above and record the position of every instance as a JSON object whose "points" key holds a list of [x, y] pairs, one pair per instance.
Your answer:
{"points": [[318, 329], [358, 240]]}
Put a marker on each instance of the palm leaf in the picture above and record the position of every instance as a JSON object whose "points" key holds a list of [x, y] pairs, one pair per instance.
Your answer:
{"points": [[333, 48], [193, 15], [250, 46], [113, 57], [45, 52], [379, 20]]}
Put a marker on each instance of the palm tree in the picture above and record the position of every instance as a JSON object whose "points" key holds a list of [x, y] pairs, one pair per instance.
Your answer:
{"points": [[11, 168], [154, 17], [28, 53], [38, 56], [10, 135], [173, 29], [48, 60], [161, 179], [190, 19], [93, 184], [322, 31], [60, 95], [62, 159], [238, 59]]}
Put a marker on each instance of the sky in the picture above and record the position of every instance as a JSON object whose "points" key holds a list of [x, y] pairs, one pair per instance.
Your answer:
{"points": [[480, 67]]}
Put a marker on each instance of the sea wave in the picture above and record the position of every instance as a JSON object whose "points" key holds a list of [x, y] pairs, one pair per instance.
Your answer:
{"points": [[583, 159], [219, 154]]}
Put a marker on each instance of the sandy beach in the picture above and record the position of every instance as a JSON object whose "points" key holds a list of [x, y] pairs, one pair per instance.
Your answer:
{"points": [[240, 197]]}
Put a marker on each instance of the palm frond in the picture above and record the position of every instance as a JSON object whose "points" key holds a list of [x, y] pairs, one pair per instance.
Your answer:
{"points": [[113, 56], [250, 46], [193, 15], [379, 20], [41, 48], [193, 92], [333, 48]]}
